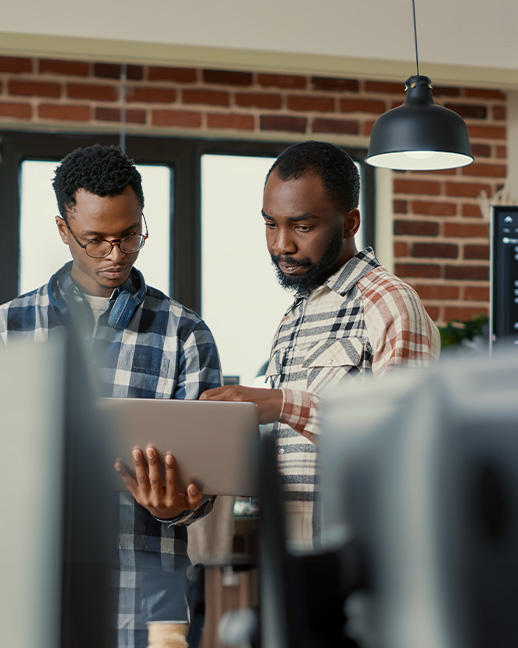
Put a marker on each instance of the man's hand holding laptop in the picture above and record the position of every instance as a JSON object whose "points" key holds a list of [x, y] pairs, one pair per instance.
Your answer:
{"points": [[159, 495]]}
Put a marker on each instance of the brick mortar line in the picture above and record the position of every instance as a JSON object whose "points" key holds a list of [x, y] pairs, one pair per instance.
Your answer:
{"points": [[410, 216], [361, 118], [443, 261], [441, 282], [455, 303], [440, 240], [255, 87], [145, 68]]}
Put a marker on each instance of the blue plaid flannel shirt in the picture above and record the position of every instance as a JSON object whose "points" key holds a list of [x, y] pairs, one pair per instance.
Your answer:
{"points": [[166, 351]]}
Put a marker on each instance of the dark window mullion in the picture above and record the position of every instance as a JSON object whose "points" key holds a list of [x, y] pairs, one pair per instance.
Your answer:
{"points": [[186, 255], [368, 206], [10, 162]]}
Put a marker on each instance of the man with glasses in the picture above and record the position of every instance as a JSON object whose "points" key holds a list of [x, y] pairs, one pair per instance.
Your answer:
{"points": [[144, 345]]}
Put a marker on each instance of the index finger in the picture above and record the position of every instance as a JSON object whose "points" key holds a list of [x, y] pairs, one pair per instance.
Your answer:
{"points": [[212, 394], [126, 477], [227, 392]]}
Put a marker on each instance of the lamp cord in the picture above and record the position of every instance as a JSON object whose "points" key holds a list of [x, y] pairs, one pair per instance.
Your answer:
{"points": [[415, 38], [122, 131]]}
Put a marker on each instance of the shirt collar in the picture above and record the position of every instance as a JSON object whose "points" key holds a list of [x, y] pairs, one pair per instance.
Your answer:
{"points": [[351, 272]]}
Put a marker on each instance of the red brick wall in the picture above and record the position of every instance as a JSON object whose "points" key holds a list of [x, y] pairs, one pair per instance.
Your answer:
{"points": [[440, 235]]}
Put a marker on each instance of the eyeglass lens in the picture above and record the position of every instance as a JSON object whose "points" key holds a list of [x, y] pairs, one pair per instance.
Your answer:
{"points": [[129, 244]]}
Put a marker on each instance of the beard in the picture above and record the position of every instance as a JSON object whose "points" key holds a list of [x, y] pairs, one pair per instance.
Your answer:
{"points": [[316, 273]]}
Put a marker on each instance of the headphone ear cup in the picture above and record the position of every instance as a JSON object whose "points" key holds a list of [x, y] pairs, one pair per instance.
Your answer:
{"points": [[122, 310], [126, 304], [57, 310]]}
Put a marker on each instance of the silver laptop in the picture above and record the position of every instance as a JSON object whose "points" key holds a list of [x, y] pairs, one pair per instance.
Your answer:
{"points": [[214, 443]]}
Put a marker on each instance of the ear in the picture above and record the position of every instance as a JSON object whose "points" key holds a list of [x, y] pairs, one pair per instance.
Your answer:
{"points": [[62, 229], [351, 223]]}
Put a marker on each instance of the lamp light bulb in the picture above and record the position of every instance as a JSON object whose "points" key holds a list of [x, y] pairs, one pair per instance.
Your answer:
{"points": [[419, 155]]}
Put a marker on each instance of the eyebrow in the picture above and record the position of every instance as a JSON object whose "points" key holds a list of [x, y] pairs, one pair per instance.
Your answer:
{"points": [[293, 219], [102, 235]]}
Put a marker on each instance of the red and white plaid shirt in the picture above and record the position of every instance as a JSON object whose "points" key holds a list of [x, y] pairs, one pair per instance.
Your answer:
{"points": [[362, 320]]}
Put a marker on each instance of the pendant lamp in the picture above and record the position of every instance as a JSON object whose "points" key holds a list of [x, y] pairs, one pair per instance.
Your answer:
{"points": [[419, 135]]}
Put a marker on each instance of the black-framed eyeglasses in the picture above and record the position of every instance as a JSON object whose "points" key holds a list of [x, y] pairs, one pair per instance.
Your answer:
{"points": [[100, 248]]}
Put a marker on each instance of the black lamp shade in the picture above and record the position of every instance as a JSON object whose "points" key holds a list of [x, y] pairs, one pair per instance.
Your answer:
{"points": [[419, 135]]}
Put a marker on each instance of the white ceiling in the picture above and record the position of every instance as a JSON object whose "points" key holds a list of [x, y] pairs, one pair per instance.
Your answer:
{"points": [[460, 41]]}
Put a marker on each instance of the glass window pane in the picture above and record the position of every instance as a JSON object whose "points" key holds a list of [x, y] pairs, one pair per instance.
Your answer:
{"points": [[242, 301], [41, 249], [154, 258]]}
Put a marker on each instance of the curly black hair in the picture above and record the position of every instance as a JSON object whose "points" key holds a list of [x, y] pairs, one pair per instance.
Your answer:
{"points": [[333, 165], [101, 170]]}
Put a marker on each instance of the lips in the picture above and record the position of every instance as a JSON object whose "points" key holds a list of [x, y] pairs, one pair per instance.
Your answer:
{"points": [[114, 273], [291, 268]]}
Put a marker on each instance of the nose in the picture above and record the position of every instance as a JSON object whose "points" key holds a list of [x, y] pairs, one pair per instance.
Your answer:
{"points": [[116, 253], [282, 242]]}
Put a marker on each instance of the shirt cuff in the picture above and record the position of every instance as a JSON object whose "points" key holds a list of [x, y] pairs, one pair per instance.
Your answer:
{"points": [[173, 520], [189, 514], [296, 409]]}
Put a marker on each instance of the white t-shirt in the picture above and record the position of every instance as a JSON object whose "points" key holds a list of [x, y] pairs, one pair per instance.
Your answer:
{"points": [[97, 304]]}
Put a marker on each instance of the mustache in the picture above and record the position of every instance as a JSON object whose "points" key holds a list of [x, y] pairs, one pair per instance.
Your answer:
{"points": [[302, 263]]}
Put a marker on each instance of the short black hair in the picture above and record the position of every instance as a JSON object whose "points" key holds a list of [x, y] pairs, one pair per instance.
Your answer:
{"points": [[101, 170], [332, 164]]}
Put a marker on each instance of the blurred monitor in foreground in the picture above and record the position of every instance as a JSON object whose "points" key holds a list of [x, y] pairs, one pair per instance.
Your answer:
{"points": [[55, 549], [420, 469]]}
